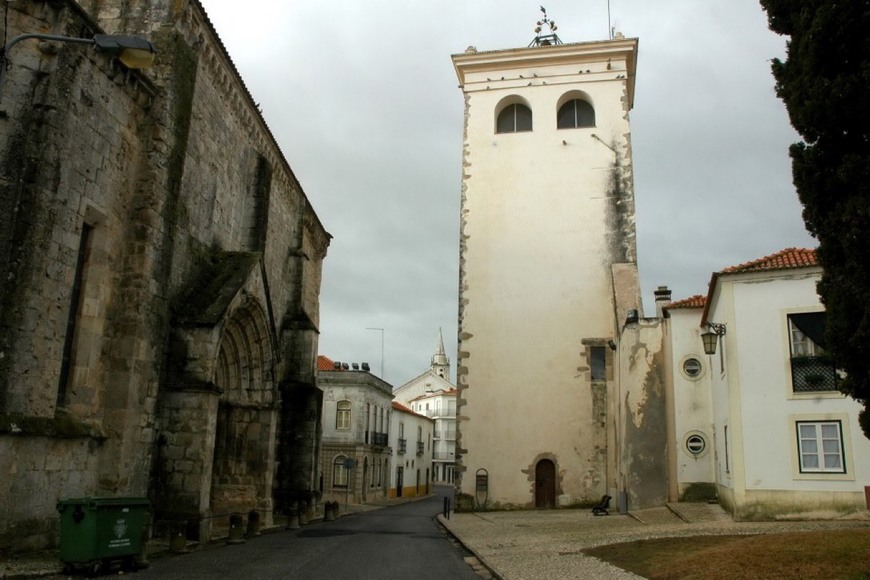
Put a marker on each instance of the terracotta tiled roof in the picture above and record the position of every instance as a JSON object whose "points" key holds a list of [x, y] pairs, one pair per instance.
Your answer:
{"points": [[404, 409], [325, 363], [784, 260], [696, 301], [787, 259]]}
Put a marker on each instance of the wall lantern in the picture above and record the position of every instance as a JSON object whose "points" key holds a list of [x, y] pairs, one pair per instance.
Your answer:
{"points": [[711, 337], [132, 51]]}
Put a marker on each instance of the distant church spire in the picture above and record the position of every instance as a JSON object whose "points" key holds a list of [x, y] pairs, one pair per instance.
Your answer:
{"points": [[440, 363]]}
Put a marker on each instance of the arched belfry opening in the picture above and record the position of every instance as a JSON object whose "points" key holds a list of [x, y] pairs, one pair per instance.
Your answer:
{"points": [[244, 445]]}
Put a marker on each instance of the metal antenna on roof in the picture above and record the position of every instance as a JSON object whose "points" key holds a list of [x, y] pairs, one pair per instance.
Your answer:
{"points": [[609, 26], [545, 39]]}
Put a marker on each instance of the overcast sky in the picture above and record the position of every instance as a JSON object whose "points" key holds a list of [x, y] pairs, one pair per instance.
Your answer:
{"points": [[363, 99]]}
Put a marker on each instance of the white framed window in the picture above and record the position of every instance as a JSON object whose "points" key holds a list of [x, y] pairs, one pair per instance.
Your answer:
{"points": [[342, 415], [811, 370], [806, 332], [339, 472], [820, 447]]}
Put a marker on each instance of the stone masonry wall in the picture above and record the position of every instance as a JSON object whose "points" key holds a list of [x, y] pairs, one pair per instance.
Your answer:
{"points": [[160, 173]]}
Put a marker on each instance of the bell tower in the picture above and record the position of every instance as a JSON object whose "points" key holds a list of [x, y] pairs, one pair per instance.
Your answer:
{"points": [[440, 364], [547, 266]]}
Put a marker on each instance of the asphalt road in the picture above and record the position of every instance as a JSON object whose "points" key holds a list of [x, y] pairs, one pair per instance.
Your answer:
{"points": [[398, 542]]}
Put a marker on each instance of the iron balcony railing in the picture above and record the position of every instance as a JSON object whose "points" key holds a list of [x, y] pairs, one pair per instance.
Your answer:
{"points": [[403, 446], [447, 412], [443, 455], [379, 439], [421, 447], [811, 374]]}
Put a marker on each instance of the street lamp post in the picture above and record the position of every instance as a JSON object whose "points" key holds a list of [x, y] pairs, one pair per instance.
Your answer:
{"points": [[711, 338], [133, 51]]}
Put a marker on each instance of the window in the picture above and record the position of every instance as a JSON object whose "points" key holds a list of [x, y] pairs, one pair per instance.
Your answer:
{"points": [[820, 447], [513, 119], [696, 444], [727, 456], [75, 312], [342, 415], [597, 363], [811, 369], [339, 472], [575, 113], [692, 368], [807, 333]]}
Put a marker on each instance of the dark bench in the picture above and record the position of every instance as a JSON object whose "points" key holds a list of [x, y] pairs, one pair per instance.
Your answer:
{"points": [[601, 508]]}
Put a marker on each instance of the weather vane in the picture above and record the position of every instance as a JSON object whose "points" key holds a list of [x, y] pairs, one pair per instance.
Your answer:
{"points": [[545, 39]]}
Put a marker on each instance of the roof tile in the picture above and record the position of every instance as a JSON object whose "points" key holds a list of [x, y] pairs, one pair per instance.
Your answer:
{"points": [[696, 301], [786, 259], [400, 407], [325, 363]]}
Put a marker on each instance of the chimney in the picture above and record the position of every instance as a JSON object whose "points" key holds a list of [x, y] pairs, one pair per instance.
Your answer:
{"points": [[663, 298]]}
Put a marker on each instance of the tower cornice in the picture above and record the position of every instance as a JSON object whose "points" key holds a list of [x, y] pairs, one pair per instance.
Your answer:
{"points": [[607, 60]]}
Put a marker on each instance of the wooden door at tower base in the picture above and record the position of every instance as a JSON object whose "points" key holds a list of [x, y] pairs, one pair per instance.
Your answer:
{"points": [[545, 484]]}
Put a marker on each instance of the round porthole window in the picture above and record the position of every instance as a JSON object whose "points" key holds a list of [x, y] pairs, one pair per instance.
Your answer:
{"points": [[692, 368], [696, 445]]}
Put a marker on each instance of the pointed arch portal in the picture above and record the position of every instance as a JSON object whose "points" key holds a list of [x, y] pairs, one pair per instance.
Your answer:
{"points": [[244, 446]]}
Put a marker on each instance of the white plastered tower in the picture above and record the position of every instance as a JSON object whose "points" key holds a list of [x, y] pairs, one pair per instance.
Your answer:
{"points": [[547, 269]]}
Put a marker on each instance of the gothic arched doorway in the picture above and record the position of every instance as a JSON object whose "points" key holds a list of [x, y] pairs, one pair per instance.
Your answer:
{"points": [[545, 484], [244, 449]]}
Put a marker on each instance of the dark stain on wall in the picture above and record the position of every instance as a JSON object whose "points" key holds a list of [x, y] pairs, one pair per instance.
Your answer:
{"points": [[646, 441]]}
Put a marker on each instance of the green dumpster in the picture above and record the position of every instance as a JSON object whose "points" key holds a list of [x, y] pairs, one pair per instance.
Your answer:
{"points": [[94, 531]]}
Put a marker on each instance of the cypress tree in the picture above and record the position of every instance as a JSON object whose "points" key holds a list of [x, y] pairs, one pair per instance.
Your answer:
{"points": [[825, 85]]}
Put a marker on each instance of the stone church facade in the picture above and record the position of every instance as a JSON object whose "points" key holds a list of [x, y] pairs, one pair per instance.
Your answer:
{"points": [[161, 271]]}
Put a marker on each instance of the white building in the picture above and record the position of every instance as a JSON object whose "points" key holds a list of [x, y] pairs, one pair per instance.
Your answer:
{"points": [[357, 409], [433, 395], [783, 441], [411, 444], [691, 456], [547, 278], [440, 405]]}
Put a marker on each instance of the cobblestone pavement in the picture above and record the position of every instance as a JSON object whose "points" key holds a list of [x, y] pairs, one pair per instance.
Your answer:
{"points": [[520, 545]]}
